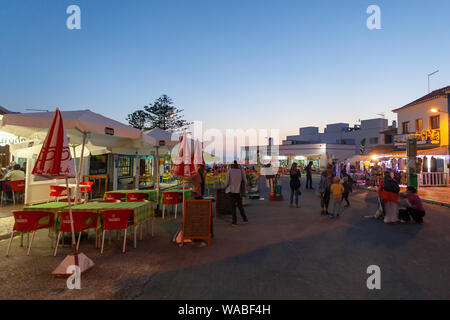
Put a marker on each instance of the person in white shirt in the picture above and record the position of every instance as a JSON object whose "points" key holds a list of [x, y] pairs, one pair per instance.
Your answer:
{"points": [[15, 174], [235, 176]]}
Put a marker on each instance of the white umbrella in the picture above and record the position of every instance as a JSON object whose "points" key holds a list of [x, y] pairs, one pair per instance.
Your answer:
{"points": [[83, 127]]}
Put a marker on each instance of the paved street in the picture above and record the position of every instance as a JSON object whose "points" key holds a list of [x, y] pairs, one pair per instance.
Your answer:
{"points": [[283, 253]]}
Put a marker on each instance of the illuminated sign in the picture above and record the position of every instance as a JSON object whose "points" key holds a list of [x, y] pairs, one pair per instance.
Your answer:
{"points": [[423, 138]]}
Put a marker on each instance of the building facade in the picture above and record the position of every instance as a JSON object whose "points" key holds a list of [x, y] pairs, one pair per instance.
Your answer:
{"points": [[362, 137]]}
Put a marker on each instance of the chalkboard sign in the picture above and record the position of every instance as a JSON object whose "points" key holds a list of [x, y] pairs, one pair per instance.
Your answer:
{"points": [[223, 203], [197, 222]]}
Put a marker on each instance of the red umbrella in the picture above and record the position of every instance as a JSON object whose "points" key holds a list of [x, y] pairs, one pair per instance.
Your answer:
{"points": [[55, 161], [183, 166]]}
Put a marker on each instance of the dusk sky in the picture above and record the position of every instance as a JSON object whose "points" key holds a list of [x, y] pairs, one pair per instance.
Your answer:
{"points": [[233, 64]]}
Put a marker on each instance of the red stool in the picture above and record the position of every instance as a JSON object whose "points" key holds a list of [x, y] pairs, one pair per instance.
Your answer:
{"points": [[30, 221], [170, 198], [81, 221]]}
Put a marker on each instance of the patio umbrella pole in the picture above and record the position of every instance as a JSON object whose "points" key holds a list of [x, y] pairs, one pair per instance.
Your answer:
{"points": [[80, 168], [71, 218]]}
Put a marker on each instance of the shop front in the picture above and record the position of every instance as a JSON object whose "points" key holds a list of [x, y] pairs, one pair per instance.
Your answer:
{"points": [[6, 157]]}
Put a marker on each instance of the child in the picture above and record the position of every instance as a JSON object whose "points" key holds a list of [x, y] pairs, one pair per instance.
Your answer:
{"points": [[347, 190], [337, 191]]}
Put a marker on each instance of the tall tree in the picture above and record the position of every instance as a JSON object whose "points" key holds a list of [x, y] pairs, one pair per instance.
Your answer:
{"points": [[138, 119], [161, 114]]}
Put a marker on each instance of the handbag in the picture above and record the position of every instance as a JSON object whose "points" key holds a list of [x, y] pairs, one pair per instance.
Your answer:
{"points": [[299, 192]]}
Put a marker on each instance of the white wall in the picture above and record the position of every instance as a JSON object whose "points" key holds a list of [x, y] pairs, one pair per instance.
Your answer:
{"points": [[37, 189]]}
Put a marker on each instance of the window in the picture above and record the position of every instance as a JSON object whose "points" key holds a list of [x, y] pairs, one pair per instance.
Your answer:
{"points": [[419, 125], [435, 123], [373, 140], [125, 167], [405, 127], [388, 139]]}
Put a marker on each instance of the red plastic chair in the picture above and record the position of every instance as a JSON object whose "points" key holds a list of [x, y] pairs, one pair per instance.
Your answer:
{"points": [[82, 220], [88, 188], [115, 196], [170, 198], [15, 186], [116, 220], [137, 197], [30, 221], [57, 191]]}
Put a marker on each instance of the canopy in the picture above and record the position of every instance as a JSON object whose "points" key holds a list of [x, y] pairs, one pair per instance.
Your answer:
{"points": [[100, 130], [28, 149]]}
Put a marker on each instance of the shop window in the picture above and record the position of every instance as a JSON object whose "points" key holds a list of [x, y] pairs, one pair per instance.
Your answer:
{"points": [[435, 122], [405, 127], [98, 165], [419, 125], [125, 167]]}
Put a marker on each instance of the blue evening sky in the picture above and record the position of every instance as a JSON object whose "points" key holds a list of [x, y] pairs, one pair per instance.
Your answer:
{"points": [[233, 64]]}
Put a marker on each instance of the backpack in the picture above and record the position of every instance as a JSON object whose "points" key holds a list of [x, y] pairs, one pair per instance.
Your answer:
{"points": [[391, 186]]}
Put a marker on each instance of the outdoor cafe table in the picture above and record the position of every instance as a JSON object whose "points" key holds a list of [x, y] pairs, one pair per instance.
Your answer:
{"points": [[142, 211], [150, 193]]}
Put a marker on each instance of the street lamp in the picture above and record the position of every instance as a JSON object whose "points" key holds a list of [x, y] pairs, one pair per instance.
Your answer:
{"points": [[436, 110]]}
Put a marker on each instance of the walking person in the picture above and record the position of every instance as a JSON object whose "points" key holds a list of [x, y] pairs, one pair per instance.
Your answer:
{"points": [[324, 189], [233, 182], [389, 190], [347, 190], [337, 190], [308, 170], [295, 184]]}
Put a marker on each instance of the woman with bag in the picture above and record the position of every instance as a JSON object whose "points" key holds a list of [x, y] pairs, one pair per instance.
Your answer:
{"points": [[295, 184]]}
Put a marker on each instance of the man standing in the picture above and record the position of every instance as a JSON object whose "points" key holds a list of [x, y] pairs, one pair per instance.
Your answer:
{"points": [[308, 170], [235, 177]]}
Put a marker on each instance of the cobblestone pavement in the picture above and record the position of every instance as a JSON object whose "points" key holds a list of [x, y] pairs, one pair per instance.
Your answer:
{"points": [[283, 253]]}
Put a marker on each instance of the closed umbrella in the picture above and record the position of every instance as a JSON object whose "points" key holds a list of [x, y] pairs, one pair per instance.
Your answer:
{"points": [[55, 161], [183, 166]]}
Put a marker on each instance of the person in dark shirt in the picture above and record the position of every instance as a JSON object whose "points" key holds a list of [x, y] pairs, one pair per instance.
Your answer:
{"points": [[347, 190], [308, 170]]}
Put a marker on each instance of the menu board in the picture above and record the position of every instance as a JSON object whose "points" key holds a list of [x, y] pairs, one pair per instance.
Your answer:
{"points": [[223, 203], [197, 222]]}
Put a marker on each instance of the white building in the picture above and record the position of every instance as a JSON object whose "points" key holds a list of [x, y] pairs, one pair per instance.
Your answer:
{"points": [[362, 137]]}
